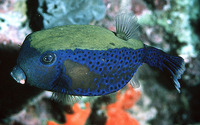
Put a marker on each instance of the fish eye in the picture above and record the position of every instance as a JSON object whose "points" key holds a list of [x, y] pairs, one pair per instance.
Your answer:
{"points": [[48, 58]]}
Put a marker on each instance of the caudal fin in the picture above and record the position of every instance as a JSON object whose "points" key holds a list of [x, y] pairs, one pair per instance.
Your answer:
{"points": [[159, 59]]}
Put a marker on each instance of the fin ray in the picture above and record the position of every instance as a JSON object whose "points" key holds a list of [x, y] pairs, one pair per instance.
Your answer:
{"points": [[65, 98], [135, 83], [126, 26], [174, 64]]}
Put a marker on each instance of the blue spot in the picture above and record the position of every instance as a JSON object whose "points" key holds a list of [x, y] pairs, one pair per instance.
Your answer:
{"points": [[115, 66]]}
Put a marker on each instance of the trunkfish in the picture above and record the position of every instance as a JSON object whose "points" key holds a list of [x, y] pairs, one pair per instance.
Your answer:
{"points": [[88, 60]]}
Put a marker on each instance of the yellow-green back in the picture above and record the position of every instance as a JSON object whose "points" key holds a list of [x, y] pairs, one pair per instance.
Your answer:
{"points": [[79, 37]]}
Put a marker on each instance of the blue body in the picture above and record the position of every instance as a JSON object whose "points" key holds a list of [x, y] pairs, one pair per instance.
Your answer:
{"points": [[84, 60], [108, 70], [92, 72]]}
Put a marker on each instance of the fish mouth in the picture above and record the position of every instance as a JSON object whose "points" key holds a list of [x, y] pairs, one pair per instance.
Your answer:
{"points": [[18, 74]]}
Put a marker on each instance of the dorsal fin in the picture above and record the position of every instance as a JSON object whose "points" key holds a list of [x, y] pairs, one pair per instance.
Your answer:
{"points": [[126, 26]]}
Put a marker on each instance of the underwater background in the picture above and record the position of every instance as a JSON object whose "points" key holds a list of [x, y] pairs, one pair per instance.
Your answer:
{"points": [[171, 25]]}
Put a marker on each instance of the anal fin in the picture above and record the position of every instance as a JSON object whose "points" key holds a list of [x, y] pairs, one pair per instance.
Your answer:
{"points": [[65, 98], [135, 83]]}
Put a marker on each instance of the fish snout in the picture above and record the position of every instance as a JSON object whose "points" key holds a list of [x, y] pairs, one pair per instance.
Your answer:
{"points": [[18, 74]]}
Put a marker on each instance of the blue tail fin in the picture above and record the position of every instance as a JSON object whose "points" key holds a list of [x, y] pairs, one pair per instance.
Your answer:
{"points": [[159, 59]]}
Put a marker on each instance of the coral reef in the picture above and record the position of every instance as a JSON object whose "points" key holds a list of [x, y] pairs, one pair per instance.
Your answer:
{"points": [[78, 117], [174, 17], [124, 102], [192, 72], [13, 25], [170, 25], [63, 12]]}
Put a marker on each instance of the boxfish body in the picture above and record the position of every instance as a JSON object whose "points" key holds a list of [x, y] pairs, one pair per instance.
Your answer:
{"points": [[86, 60]]}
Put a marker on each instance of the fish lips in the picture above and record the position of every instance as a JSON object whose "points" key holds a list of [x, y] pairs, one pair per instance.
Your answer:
{"points": [[18, 74]]}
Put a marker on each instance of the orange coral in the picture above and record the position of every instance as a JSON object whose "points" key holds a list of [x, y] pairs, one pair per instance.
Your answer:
{"points": [[51, 123], [115, 112], [79, 116], [118, 116]]}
